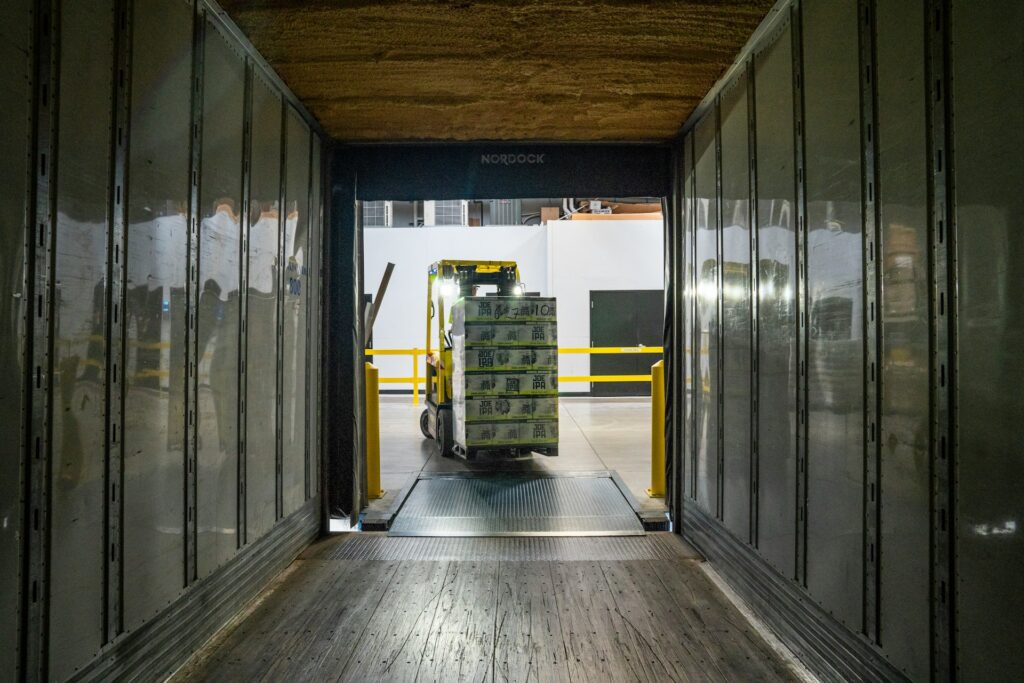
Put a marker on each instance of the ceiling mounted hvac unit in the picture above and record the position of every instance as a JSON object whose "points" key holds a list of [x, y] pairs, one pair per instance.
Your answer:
{"points": [[446, 212]]}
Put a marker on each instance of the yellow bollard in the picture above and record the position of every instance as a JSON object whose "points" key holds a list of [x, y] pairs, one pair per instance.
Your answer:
{"points": [[657, 489], [373, 489]]}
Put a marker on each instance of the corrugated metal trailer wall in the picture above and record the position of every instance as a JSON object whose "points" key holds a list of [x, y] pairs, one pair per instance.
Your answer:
{"points": [[16, 146], [162, 227], [853, 255]]}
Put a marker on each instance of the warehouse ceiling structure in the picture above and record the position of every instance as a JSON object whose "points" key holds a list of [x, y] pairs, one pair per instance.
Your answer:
{"points": [[558, 70]]}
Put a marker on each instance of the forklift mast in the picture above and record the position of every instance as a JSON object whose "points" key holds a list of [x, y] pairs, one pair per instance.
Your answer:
{"points": [[453, 280]]}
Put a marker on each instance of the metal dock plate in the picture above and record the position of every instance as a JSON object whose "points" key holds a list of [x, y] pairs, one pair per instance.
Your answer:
{"points": [[516, 505]]}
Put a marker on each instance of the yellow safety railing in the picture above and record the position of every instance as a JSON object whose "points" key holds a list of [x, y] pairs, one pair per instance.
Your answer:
{"points": [[607, 350], [416, 379]]}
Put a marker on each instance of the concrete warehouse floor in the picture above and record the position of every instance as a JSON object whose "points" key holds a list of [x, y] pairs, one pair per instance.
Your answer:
{"points": [[499, 69], [594, 434]]}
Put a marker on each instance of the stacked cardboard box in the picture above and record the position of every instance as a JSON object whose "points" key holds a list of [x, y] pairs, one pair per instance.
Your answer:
{"points": [[505, 375]]}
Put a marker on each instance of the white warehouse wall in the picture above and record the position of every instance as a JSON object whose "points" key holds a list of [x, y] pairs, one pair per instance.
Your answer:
{"points": [[587, 256], [401, 323], [566, 260]]}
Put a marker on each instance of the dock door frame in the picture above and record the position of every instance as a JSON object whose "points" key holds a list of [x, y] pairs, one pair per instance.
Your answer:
{"points": [[415, 171]]}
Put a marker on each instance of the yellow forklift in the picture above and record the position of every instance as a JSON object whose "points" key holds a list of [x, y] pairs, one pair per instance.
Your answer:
{"points": [[452, 280]]}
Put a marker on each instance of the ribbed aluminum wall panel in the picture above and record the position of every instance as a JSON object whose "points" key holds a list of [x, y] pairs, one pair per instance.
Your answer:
{"points": [[16, 23], [219, 310], [903, 360], [295, 295], [687, 317], [675, 342], [262, 326], [314, 308], [156, 310], [130, 150], [736, 338], [777, 321], [706, 349], [834, 309], [77, 533], [987, 162], [885, 320]]}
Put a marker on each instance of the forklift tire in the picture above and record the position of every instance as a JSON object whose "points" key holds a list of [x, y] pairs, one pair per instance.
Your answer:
{"points": [[424, 422], [444, 433]]}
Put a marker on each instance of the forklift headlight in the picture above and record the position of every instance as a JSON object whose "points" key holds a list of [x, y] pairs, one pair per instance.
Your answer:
{"points": [[518, 290], [449, 290]]}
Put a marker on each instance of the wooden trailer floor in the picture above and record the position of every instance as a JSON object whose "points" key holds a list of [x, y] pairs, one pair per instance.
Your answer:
{"points": [[367, 607]]}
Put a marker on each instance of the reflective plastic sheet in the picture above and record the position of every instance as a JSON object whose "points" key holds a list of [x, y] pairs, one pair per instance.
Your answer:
{"points": [[736, 310], [220, 204], [296, 294], [835, 349], [776, 226], [706, 321], [261, 354], [156, 311], [903, 259], [77, 522]]}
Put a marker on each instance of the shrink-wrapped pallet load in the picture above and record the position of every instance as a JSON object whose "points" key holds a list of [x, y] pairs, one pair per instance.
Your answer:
{"points": [[505, 375]]}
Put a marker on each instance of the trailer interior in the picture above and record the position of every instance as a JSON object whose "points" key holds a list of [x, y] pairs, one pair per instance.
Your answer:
{"points": [[182, 364]]}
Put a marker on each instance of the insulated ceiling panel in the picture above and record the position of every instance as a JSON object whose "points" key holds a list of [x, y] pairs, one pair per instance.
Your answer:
{"points": [[499, 69]]}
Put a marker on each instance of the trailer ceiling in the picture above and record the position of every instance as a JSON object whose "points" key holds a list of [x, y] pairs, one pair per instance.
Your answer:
{"points": [[499, 69]]}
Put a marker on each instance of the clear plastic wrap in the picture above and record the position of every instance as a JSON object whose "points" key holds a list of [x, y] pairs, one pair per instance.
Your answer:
{"points": [[505, 372]]}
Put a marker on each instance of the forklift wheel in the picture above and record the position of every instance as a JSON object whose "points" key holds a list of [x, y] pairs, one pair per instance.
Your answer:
{"points": [[444, 433], [424, 422]]}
